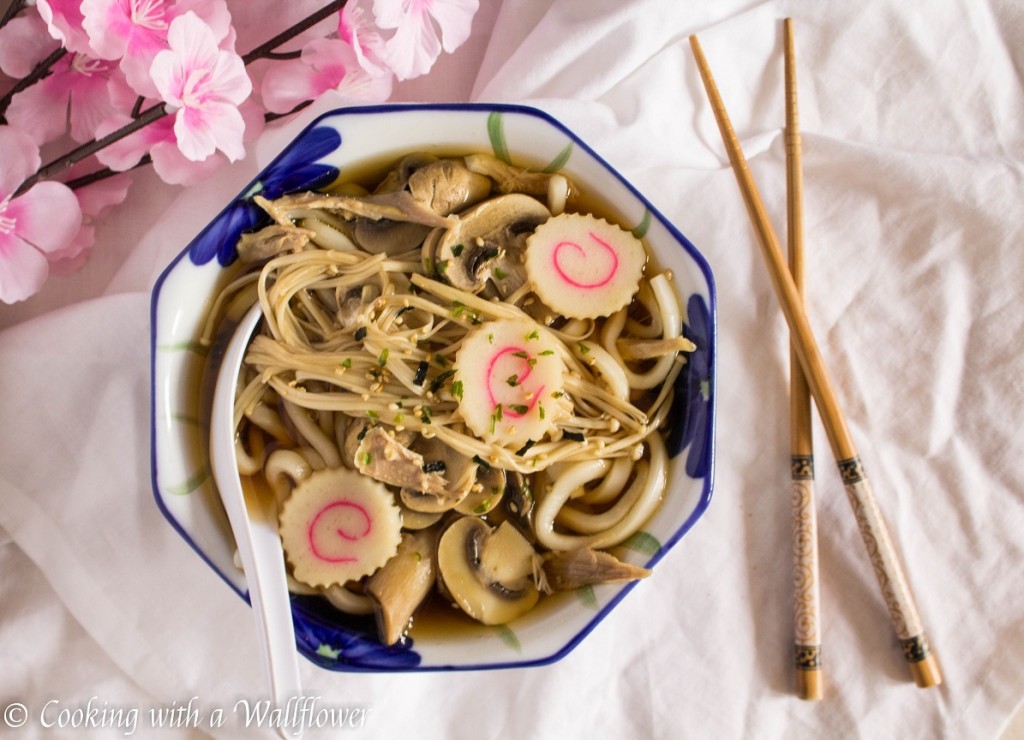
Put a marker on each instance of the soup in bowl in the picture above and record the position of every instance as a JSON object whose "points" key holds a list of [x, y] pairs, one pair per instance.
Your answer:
{"points": [[481, 394]]}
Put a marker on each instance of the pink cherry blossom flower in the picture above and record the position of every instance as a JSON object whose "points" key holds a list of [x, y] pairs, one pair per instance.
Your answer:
{"points": [[23, 44], [41, 221], [135, 31], [76, 90], [159, 142], [95, 200], [206, 84], [325, 64], [63, 20], [357, 28], [417, 42]]}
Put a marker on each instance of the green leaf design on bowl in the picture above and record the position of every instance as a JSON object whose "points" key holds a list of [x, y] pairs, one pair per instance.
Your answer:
{"points": [[508, 637], [496, 133], [587, 596], [640, 230], [559, 162], [643, 542], [191, 483]]}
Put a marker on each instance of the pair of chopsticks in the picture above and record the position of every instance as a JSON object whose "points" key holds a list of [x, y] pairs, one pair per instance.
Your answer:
{"points": [[814, 377]]}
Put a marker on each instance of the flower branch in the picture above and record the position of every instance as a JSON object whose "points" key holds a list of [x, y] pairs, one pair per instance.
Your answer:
{"points": [[263, 50], [38, 72], [158, 83], [13, 9], [75, 156]]}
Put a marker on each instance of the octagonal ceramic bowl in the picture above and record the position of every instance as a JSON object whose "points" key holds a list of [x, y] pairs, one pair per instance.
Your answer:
{"points": [[183, 369]]}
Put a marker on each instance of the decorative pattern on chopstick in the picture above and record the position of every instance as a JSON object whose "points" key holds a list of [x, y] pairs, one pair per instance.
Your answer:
{"points": [[806, 601], [806, 594], [882, 553], [925, 671]]}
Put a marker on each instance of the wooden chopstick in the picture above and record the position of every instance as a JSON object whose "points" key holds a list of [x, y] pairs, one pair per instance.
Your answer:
{"points": [[882, 552], [806, 594]]}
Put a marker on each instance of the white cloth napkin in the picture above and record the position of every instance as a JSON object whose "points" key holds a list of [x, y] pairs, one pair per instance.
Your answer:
{"points": [[913, 131]]}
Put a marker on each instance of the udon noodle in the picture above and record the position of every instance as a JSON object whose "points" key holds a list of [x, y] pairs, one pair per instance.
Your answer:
{"points": [[420, 401]]}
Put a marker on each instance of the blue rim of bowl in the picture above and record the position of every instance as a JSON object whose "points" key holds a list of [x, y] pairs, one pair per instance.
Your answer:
{"points": [[706, 435]]}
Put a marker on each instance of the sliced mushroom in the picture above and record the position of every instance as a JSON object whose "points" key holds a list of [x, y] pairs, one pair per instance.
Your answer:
{"points": [[270, 241], [459, 475], [415, 520], [354, 303], [399, 587], [447, 186], [487, 573], [398, 178], [509, 178], [516, 506], [387, 236], [487, 244], [485, 494], [381, 456], [574, 569]]}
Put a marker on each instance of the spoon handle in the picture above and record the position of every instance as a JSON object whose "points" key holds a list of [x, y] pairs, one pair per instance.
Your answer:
{"points": [[254, 525]]}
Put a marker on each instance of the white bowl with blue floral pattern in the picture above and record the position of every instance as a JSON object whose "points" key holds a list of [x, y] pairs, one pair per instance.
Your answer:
{"points": [[183, 369]]}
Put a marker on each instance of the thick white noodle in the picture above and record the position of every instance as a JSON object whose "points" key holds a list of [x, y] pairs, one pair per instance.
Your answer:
{"points": [[348, 601], [671, 322], [311, 432], [284, 470], [650, 475], [610, 486]]}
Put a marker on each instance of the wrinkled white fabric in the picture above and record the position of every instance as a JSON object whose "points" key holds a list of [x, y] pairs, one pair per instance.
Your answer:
{"points": [[913, 133]]}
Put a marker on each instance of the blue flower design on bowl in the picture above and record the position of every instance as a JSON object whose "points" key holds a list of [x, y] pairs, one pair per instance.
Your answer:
{"points": [[296, 169], [329, 644], [694, 393]]}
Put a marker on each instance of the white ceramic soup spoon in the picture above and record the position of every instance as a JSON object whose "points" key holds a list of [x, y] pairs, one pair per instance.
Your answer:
{"points": [[254, 524]]}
